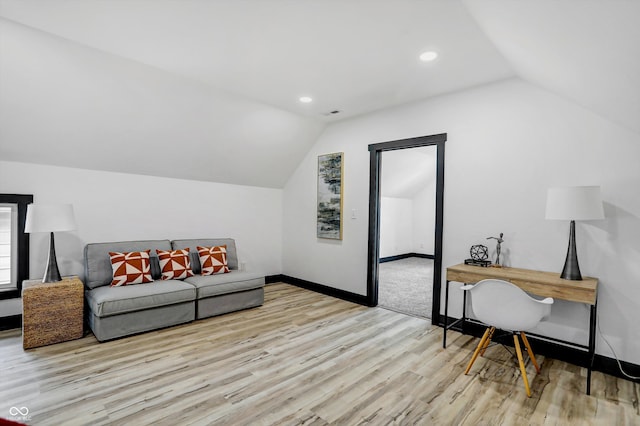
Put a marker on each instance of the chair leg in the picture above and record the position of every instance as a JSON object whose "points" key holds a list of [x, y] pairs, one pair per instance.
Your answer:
{"points": [[478, 349], [486, 342], [522, 369], [531, 355]]}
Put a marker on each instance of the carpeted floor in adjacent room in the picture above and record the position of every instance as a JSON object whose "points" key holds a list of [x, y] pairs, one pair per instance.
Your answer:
{"points": [[406, 286]]}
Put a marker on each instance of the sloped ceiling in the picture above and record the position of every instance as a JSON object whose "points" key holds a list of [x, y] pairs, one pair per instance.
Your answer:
{"points": [[406, 172], [348, 55], [65, 104], [587, 51], [208, 90]]}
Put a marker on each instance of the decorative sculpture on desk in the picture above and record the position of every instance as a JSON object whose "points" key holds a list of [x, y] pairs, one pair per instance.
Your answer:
{"points": [[479, 252], [479, 255], [498, 248]]}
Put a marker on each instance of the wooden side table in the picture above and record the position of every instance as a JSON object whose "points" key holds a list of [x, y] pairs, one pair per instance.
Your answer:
{"points": [[52, 312]]}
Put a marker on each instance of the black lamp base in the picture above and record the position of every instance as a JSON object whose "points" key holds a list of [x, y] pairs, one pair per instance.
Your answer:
{"points": [[571, 270], [52, 273]]}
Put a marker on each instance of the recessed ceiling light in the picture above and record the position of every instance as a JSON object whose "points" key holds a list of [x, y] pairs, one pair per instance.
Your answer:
{"points": [[305, 99], [428, 56]]}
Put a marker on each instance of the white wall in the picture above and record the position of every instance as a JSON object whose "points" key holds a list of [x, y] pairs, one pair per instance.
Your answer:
{"points": [[507, 143], [407, 225], [119, 207], [396, 226], [424, 219]]}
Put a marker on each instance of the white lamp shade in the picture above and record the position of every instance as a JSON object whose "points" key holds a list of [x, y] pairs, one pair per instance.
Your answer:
{"points": [[50, 218], [574, 203]]}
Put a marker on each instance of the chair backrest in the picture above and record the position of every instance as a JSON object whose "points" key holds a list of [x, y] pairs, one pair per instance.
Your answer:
{"points": [[506, 306]]}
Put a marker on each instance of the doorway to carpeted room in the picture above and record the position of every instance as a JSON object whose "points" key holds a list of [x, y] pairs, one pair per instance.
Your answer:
{"points": [[405, 286]]}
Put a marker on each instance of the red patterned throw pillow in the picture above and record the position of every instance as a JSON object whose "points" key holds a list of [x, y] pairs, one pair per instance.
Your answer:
{"points": [[175, 265], [213, 260], [130, 268]]}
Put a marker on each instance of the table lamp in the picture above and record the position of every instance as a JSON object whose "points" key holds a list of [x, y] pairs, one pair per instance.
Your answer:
{"points": [[574, 203], [50, 218]]}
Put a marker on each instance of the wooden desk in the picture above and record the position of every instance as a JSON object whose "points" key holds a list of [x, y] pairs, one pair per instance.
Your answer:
{"points": [[544, 284]]}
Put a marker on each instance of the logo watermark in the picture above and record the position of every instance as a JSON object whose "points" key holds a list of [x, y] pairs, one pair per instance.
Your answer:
{"points": [[19, 413]]}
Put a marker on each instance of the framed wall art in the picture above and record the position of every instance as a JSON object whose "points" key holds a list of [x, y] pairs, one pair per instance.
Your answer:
{"points": [[330, 175]]}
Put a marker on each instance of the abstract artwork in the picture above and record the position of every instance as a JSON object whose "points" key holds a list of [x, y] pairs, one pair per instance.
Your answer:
{"points": [[330, 171]]}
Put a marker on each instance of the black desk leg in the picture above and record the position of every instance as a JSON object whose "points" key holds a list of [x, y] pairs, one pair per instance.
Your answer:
{"points": [[592, 343], [464, 309], [446, 314]]}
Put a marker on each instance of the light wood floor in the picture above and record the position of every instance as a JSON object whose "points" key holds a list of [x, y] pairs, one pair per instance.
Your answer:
{"points": [[302, 358]]}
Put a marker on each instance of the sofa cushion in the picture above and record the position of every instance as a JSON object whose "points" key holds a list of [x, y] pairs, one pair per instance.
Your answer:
{"points": [[232, 255], [175, 264], [106, 301], [213, 260], [213, 285], [98, 270], [131, 267]]}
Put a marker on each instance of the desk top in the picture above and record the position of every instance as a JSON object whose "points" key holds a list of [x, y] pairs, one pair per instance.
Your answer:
{"points": [[545, 284]]}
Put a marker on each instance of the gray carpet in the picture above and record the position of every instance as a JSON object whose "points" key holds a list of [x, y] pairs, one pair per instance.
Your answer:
{"points": [[406, 286]]}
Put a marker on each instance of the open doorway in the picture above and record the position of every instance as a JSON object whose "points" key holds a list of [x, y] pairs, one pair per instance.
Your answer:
{"points": [[375, 209], [407, 230]]}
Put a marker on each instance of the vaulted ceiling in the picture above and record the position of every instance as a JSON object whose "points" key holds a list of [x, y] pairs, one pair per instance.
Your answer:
{"points": [[406, 172], [587, 51], [83, 80]]}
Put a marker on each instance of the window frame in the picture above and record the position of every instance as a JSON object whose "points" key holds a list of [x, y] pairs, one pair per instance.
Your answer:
{"points": [[21, 201]]}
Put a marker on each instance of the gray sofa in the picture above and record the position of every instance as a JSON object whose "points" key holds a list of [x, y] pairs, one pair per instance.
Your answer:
{"points": [[120, 311]]}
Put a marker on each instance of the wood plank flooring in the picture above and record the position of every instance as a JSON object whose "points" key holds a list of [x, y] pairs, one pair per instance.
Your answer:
{"points": [[301, 359]]}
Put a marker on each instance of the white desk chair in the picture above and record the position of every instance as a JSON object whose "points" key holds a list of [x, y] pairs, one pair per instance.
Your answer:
{"points": [[502, 305]]}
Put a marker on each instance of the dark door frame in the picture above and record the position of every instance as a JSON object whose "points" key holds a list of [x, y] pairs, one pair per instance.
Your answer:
{"points": [[373, 257]]}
